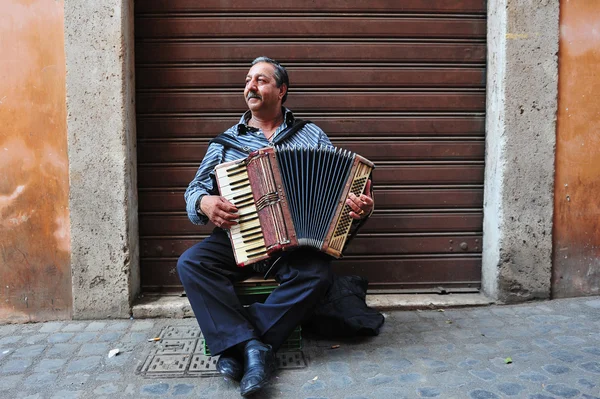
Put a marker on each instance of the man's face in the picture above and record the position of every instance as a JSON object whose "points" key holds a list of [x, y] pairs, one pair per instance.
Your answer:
{"points": [[261, 91]]}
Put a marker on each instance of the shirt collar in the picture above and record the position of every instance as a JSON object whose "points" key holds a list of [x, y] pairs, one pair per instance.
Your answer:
{"points": [[242, 126]]}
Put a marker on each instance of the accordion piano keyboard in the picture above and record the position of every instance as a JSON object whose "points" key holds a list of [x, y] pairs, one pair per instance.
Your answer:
{"points": [[247, 236]]}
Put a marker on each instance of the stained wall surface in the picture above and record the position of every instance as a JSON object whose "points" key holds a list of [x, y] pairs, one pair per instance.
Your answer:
{"points": [[35, 275], [576, 260]]}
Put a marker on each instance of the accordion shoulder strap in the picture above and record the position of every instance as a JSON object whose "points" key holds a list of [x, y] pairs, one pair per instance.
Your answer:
{"points": [[227, 140], [290, 131]]}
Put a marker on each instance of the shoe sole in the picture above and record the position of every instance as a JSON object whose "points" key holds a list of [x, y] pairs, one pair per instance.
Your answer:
{"points": [[255, 388], [229, 376]]}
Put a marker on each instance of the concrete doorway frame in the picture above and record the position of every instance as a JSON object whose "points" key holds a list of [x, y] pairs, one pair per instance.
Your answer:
{"points": [[522, 70]]}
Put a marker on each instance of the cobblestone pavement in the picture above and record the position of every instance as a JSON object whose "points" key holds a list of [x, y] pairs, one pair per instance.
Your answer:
{"points": [[553, 346]]}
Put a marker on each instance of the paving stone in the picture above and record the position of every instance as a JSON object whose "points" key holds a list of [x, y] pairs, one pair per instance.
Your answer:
{"points": [[51, 327], [411, 378], [544, 343], [38, 380], [97, 348], [135, 337], [34, 339], [62, 350], [85, 364], [46, 365], [593, 304], [74, 327], [67, 395], [379, 379], [510, 388], [540, 396], [592, 367], [569, 340], [369, 368], [110, 376], [96, 326], [486, 374], [398, 364], [106, 389], [110, 336], [182, 389], [435, 364], [142, 325], [428, 392], [9, 381], [586, 383], [313, 386], [8, 329], [533, 376], [84, 337], [5, 341], [338, 367], [341, 381], [74, 380], [60, 338], [556, 369], [29, 351], [592, 350], [482, 394], [154, 389], [562, 390], [120, 326], [118, 361], [566, 356], [15, 366], [468, 363]]}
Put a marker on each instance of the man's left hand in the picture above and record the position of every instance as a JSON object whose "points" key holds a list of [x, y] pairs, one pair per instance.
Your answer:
{"points": [[361, 206]]}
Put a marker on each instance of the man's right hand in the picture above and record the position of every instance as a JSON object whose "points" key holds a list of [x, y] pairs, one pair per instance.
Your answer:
{"points": [[219, 211]]}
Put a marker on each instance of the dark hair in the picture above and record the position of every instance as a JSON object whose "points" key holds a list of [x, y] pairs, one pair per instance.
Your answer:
{"points": [[281, 75]]}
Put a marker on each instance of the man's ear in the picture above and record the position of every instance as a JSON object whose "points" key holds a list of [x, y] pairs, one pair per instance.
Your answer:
{"points": [[282, 90]]}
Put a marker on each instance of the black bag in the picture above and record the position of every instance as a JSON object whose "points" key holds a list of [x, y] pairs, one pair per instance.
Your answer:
{"points": [[343, 311]]}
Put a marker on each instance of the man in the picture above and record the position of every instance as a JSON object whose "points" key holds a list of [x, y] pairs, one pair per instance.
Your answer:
{"points": [[247, 338]]}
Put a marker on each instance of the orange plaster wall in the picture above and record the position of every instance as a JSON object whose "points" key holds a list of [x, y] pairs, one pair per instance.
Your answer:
{"points": [[35, 275], [576, 259]]}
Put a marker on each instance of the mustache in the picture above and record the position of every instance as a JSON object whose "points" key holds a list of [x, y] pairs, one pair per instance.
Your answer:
{"points": [[253, 95]]}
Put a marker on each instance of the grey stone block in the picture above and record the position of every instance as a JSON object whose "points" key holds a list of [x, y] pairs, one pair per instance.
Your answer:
{"points": [[29, 351], [61, 350], [15, 366], [159, 389], [47, 365], [96, 348], [59, 338], [5, 341], [85, 364], [51, 327], [8, 382], [37, 380], [562, 390], [96, 326]]}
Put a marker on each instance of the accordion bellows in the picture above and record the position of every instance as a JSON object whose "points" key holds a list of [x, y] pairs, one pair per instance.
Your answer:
{"points": [[291, 196]]}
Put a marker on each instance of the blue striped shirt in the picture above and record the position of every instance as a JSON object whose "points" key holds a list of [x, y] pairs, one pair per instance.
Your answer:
{"points": [[309, 135]]}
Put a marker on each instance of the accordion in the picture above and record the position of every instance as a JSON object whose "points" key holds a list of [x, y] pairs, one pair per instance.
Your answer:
{"points": [[291, 196]]}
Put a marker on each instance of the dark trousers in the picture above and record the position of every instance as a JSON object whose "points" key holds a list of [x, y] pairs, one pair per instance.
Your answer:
{"points": [[208, 271]]}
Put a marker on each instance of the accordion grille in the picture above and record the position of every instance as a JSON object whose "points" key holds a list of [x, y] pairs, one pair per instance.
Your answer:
{"points": [[342, 227]]}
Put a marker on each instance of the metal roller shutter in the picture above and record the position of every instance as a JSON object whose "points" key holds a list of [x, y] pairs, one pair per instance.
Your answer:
{"points": [[400, 82]]}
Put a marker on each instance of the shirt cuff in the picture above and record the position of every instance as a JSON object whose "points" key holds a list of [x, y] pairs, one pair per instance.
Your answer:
{"points": [[192, 212]]}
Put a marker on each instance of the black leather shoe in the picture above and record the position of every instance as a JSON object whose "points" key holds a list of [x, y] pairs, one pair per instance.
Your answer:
{"points": [[259, 365], [231, 366]]}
